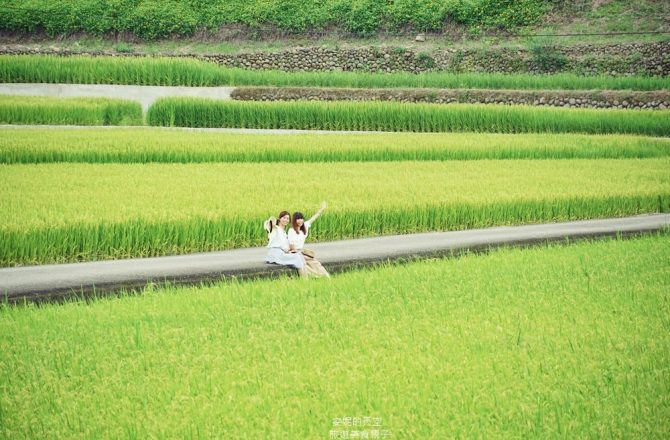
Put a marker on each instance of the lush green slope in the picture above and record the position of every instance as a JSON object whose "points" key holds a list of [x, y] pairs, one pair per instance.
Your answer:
{"points": [[152, 19]]}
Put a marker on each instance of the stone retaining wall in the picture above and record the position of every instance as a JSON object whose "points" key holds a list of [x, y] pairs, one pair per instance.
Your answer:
{"points": [[573, 99], [617, 59], [612, 59]]}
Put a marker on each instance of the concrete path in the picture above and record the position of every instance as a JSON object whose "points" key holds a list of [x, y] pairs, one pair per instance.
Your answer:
{"points": [[146, 95], [54, 281]]}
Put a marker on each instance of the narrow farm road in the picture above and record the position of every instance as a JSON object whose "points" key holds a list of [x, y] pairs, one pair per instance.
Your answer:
{"points": [[146, 95], [55, 281], [212, 130]]}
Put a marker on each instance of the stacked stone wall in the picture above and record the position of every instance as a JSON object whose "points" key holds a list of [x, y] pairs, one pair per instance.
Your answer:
{"points": [[613, 59], [657, 100]]}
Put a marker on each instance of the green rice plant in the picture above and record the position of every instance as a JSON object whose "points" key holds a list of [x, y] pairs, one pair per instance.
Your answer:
{"points": [[150, 144], [165, 71], [558, 341], [71, 212], [388, 116], [64, 111]]}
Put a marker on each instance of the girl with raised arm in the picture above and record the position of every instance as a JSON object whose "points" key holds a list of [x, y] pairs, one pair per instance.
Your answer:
{"points": [[296, 239]]}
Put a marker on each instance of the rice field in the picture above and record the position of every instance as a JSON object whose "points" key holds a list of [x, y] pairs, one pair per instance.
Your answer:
{"points": [[552, 342], [158, 71], [71, 211], [162, 145], [64, 111], [564, 341], [414, 117]]}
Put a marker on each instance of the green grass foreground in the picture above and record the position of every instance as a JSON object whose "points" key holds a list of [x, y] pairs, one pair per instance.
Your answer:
{"points": [[64, 111], [147, 145], [551, 342], [69, 212], [414, 117], [190, 72]]}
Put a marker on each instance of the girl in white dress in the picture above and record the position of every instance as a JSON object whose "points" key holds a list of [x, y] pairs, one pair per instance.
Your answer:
{"points": [[279, 251], [297, 235]]}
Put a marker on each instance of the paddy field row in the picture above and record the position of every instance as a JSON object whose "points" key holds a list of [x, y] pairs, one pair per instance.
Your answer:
{"points": [[558, 341], [72, 211], [410, 117], [164, 145], [158, 71], [37, 110], [346, 116]]}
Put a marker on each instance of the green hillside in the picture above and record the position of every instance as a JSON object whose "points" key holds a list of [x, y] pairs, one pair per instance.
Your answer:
{"points": [[154, 19]]}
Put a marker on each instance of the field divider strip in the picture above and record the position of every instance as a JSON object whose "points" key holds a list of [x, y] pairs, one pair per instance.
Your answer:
{"points": [[203, 129], [59, 281]]}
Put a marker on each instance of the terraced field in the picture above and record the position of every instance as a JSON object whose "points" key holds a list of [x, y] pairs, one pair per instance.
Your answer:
{"points": [[194, 112], [188, 72], [560, 341], [80, 195], [76, 111], [68, 212], [152, 145]]}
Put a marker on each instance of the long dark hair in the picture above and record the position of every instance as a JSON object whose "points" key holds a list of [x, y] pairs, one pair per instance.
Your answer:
{"points": [[297, 216], [282, 214]]}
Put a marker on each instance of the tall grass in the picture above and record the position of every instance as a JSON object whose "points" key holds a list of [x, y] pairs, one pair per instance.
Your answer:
{"points": [[378, 116], [555, 342], [64, 111], [145, 145], [70, 212], [190, 72]]}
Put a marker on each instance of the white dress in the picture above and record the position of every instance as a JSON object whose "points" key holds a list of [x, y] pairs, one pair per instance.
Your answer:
{"points": [[278, 250], [297, 239]]}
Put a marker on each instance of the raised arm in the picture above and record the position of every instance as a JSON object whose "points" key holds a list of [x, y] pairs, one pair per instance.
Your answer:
{"points": [[324, 205]]}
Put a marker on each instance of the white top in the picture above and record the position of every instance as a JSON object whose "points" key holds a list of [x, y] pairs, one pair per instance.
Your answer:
{"points": [[297, 239], [278, 239]]}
